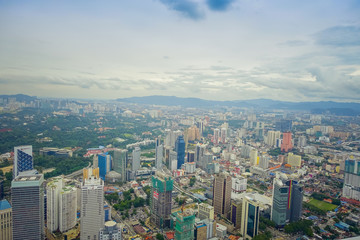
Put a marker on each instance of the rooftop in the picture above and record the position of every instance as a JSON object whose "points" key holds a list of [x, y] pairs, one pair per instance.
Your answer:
{"points": [[4, 204]]}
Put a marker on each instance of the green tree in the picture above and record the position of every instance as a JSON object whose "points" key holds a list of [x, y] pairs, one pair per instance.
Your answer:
{"points": [[9, 176], [159, 237]]}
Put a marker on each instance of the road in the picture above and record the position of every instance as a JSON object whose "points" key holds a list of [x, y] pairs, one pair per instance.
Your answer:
{"points": [[118, 219], [76, 173]]}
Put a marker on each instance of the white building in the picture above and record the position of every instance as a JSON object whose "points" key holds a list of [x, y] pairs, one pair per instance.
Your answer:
{"points": [[136, 158], [110, 231], [238, 185], [92, 205]]}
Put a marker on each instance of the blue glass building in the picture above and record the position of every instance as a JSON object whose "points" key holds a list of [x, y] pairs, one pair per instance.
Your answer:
{"points": [[104, 163], [180, 149], [23, 159]]}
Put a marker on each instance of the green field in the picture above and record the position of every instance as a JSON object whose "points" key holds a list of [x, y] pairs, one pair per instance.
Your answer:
{"points": [[322, 205]]}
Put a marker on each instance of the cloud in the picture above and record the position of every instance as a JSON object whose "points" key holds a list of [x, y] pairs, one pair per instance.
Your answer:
{"points": [[187, 8], [339, 36], [219, 5], [293, 43]]}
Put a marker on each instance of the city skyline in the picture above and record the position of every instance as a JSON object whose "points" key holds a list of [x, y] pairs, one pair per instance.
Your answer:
{"points": [[220, 50]]}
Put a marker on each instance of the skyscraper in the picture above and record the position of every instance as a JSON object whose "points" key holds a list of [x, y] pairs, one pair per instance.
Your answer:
{"points": [[287, 142], [52, 203], [253, 157], [235, 213], [159, 153], [264, 162], [28, 206], [92, 205], [104, 164], [222, 194], [180, 149], [23, 159], [271, 137], [249, 217], [223, 135], [351, 188], [216, 136], [161, 196], [5, 220], [120, 163], [287, 202], [136, 159]]}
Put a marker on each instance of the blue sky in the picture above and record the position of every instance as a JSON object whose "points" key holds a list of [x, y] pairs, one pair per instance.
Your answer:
{"points": [[223, 50]]}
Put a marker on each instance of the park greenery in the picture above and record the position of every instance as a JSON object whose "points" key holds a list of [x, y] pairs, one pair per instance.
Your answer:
{"points": [[302, 226]]}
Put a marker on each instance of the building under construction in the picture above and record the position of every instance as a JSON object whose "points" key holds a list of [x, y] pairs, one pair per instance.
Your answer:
{"points": [[161, 195], [184, 228]]}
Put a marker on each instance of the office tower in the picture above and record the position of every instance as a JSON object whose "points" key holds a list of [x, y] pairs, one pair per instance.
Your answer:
{"points": [[160, 206], [136, 159], [205, 229], [283, 125], [168, 134], [264, 162], [67, 208], [120, 163], [110, 231], [287, 202], [253, 157], [159, 153], [199, 152], [92, 205], [294, 160], [28, 206], [180, 149], [216, 136], [184, 228], [173, 160], [286, 142], [5, 220], [190, 156], [222, 194], [200, 126], [52, 203], [23, 159], [167, 150], [193, 133], [223, 135], [271, 138], [95, 161], [301, 141], [235, 213], [245, 151], [351, 188], [205, 211], [104, 164], [249, 217]]}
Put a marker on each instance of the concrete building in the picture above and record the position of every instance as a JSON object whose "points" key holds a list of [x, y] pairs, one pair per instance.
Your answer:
{"points": [[351, 188], [287, 202], [110, 231], [160, 200], [53, 188], [301, 142], [180, 149], [136, 159], [286, 142], [264, 162], [222, 194], [253, 157], [5, 220], [120, 163], [23, 160], [205, 211], [216, 136], [92, 205], [67, 208], [249, 217], [28, 206], [294, 160], [271, 138], [159, 150]]}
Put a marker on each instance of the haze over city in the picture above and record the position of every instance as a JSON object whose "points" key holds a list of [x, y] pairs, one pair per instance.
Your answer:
{"points": [[221, 50]]}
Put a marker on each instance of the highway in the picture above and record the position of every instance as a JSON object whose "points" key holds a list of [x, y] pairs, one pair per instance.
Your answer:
{"points": [[76, 173]]}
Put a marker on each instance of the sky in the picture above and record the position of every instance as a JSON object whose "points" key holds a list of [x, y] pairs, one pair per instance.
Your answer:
{"points": [[305, 50]]}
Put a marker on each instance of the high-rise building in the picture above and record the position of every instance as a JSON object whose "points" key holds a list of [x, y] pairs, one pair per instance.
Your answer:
{"points": [[67, 208], [159, 153], [351, 188], [235, 213], [180, 149], [136, 159], [52, 203], [1, 189], [173, 160], [286, 142], [104, 164], [287, 202], [110, 231], [271, 137], [283, 125], [301, 141], [205, 211], [92, 205], [250, 217], [205, 229], [161, 196], [222, 194], [184, 228], [199, 152], [28, 206], [253, 157], [216, 136], [23, 159], [5, 220], [120, 163], [191, 156], [223, 134], [264, 162]]}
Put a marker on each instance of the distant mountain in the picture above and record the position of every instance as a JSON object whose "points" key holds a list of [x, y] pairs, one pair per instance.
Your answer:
{"points": [[340, 108], [20, 97]]}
